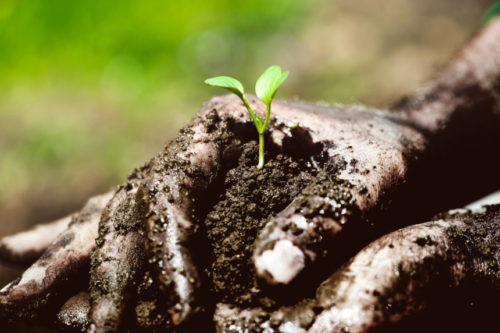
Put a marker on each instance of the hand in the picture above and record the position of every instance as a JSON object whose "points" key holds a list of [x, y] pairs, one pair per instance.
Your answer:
{"points": [[447, 269], [156, 201], [149, 219]]}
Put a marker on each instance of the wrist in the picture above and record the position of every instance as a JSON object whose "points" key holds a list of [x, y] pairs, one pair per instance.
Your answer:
{"points": [[464, 97]]}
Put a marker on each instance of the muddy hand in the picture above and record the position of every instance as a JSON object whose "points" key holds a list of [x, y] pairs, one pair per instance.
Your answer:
{"points": [[366, 156], [148, 220], [66, 256], [452, 259], [118, 256], [360, 155]]}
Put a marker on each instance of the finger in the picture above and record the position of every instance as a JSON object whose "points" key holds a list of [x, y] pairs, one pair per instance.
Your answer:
{"points": [[187, 165], [393, 278], [194, 161], [74, 312], [27, 246], [296, 319], [68, 254], [118, 259], [491, 199], [300, 234], [411, 269]]}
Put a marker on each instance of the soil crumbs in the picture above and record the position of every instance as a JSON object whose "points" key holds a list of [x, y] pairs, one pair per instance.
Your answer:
{"points": [[247, 199]]}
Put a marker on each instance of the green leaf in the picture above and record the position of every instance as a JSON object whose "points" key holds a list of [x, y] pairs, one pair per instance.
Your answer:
{"points": [[492, 12], [228, 83], [269, 82]]}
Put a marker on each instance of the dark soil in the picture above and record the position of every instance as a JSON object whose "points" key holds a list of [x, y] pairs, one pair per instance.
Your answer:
{"points": [[247, 198]]}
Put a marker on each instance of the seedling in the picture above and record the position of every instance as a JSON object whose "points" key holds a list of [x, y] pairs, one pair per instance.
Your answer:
{"points": [[265, 88]]}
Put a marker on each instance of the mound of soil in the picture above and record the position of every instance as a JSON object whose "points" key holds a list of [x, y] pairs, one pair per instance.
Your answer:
{"points": [[247, 198]]}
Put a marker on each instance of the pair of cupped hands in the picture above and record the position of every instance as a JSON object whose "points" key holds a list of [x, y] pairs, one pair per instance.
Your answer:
{"points": [[393, 160]]}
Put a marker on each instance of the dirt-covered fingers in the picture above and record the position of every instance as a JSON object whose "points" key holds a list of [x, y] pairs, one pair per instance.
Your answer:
{"points": [[112, 282], [410, 270], [293, 319], [74, 313], [158, 197], [57, 267], [419, 270], [170, 231], [118, 259], [27, 246], [182, 174], [303, 232]]}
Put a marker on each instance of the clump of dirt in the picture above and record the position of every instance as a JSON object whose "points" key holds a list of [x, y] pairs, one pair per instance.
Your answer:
{"points": [[247, 199]]}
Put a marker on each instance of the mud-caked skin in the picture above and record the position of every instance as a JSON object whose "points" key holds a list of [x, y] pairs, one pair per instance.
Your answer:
{"points": [[63, 260], [27, 246], [394, 278], [118, 257], [144, 238], [457, 114], [74, 313]]}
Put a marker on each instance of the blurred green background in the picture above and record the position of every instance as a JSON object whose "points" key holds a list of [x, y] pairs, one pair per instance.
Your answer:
{"points": [[90, 89]]}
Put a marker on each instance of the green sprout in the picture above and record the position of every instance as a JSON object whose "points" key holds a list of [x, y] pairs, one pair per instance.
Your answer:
{"points": [[265, 88]]}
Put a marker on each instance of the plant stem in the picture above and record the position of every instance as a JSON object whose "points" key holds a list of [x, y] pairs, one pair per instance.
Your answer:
{"points": [[255, 118], [261, 151], [261, 128], [261, 131]]}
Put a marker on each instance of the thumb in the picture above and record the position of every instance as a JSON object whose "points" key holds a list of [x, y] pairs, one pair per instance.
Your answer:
{"points": [[299, 235]]}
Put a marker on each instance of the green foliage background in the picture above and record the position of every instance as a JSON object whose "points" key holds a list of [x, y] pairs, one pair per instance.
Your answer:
{"points": [[90, 89], [87, 85]]}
